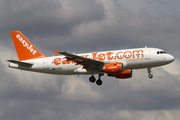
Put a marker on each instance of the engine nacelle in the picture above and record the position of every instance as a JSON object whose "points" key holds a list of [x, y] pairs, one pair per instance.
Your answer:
{"points": [[125, 74], [113, 68]]}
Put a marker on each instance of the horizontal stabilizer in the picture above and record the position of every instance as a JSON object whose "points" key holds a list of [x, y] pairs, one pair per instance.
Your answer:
{"points": [[20, 63]]}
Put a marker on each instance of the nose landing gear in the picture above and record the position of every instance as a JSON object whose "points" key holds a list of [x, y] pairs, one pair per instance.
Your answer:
{"points": [[150, 76], [149, 71]]}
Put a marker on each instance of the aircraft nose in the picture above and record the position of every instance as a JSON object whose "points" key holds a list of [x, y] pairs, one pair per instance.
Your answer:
{"points": [[170, 58]]}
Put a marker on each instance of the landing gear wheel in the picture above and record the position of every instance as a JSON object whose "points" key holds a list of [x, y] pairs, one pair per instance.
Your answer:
{"points": [[92, 79], [99, 82], [150, 76]]}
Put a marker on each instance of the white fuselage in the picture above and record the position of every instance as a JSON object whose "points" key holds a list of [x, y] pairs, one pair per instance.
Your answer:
{"points": [[131, 59]]}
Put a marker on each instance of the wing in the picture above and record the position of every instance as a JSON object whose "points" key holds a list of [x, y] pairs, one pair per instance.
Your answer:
{"points": [[87, 63]]}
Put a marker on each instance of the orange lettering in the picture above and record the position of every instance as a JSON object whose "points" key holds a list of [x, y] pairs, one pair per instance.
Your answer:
{"points": [[127, 56], [94, 55], [73, 62], [109, 55], [117, 55], [57, 61], [86, 56], [65, 61], [101, 57], [138, 53]]}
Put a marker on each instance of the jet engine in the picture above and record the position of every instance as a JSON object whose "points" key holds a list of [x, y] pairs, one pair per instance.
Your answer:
{"points": [[125, 74], [113, 68]]}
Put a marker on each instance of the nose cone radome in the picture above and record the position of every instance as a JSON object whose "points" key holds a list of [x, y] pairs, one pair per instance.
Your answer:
{"points": [[170, 58]]}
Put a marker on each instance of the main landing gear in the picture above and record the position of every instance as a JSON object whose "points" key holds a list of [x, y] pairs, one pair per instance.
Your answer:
{"points": [[99, 82], [149, 72], [92, 79]]}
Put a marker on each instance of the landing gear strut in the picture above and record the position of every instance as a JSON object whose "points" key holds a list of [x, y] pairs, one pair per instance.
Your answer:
{"points": [[99, 81], [149, 71]]}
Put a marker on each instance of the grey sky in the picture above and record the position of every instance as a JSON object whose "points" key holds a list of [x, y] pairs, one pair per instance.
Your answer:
{"points": [[87, 26]]}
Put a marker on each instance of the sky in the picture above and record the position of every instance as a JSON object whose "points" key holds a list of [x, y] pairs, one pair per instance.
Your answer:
{"points": [[87, 26]]}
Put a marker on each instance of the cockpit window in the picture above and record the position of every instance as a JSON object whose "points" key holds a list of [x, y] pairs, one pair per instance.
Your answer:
{"points": [[161, 52]]}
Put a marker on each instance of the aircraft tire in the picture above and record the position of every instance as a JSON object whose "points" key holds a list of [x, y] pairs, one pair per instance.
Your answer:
{"points": [[99, 82], [92, 79], [150, 76]]}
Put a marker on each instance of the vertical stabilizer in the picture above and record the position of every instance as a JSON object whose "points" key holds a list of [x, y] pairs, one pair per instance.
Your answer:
{"points": [[24, 48]]}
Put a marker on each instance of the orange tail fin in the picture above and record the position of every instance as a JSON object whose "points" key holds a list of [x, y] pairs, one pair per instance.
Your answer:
{"points": [[24, 48]]}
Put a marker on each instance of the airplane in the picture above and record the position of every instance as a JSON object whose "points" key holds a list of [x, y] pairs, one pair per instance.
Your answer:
{"points": [[114, 63]]}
